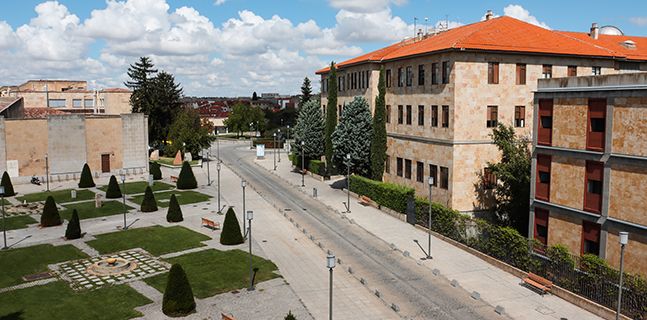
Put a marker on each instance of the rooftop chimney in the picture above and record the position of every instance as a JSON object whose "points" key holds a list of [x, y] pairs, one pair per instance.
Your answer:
{"points": [[489, 15], [420, 34], [595, 31]]}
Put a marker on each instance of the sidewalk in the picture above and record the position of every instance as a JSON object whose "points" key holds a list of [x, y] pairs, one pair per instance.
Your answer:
{"points": [[495, 286]]}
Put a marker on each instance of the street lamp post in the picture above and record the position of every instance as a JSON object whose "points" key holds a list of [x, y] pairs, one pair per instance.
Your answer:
{"points": [[47, 170], [217, 146], [303, 161], [251, 139], [279, 140], [348, 183], [243, 184], [218, 169], [208, 169], [123, 195], [250, 216], [330, 263], [4, 224], [274, 145], [624, 239], [431, 184], [288, 140]]}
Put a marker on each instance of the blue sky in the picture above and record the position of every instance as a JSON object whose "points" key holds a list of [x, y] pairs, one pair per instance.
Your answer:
{"points": [[234, 47]]}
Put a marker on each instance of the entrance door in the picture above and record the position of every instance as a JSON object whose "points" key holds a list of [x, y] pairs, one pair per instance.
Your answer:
{"points": [[105, 163]]}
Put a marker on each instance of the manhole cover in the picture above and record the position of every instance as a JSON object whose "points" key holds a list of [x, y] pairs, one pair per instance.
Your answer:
{"points": [[544, 310]]}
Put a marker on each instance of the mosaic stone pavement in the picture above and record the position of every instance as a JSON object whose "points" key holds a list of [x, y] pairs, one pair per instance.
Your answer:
{"points": [[75, 272]]}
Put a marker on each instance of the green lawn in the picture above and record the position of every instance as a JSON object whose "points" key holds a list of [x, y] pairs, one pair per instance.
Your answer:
{"points": [[15, 263], [5, 202], [156, 239], [57, 301], [140, 187], [169, 161], [212, 272], [60, 196], [87, 210], [183, 197], [19, 222]]}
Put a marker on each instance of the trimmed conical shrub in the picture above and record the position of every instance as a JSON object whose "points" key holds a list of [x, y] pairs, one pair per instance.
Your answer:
{"points": [[174, 213], [73, 230], [230, 234], [155, 170], [186, 179], [86, 178], [290, 316], [149, 204], [8, 186], [50, 216], [113, 191], [178, 297]]}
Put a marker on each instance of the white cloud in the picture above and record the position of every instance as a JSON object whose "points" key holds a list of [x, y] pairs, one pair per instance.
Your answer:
{"points": [[519, 12], [364, 6], [639, 21], [219, 2], [370, 27], [7, 36]]}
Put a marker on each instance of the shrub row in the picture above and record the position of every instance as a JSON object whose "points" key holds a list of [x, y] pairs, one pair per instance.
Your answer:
{"points": [[386, 194], [318, 167]]}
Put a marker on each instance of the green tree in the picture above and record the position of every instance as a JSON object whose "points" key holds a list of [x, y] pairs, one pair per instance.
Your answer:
{"points": [[167, 95], [306, 92], [309, 129], [242, 115], [155, 170], [113, 191], [378, 145], [149, 204], [73, 230], [178, 298], [231, 234], [50, 216], [86, 180], [513, 178], [141, 76], [331, 115], [254, 96], [353, 136], [187, 129], [186, 179], [174, 213], [8, 186]]}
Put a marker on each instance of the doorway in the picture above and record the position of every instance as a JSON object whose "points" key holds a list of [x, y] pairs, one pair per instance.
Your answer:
{"points": [[105, 163]]}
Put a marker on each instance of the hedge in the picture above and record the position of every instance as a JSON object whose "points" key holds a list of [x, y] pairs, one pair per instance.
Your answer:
{"points": [[86, 180], [149, 204], [113, 191], [178, 296], [186, 178], [386, 194], [318, 167], [155, 170], [8, 186], [73, 230], [50, 216]]}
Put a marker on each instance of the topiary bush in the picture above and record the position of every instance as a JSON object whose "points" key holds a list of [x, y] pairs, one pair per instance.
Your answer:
{"points": [[290, 316], [8, 186], [50, 216], [155, 170], [86, 178], [386, 194], [230, 234], [178, 298], [186, 179], [174, 213], [318, 167], [113, 191], [73, 230], [149, 204]]}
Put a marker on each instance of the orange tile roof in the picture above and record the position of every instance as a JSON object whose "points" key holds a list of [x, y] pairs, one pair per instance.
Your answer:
{"points": [[37, 113], [506, 34]]}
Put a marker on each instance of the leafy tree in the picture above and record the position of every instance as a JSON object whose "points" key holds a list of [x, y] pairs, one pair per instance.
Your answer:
{"points": [[113, 191], [231, 234], [353, 136], [86, 178], [50, 216], [513, 178], [149, 204], [187, 129], [309, 129], [155, 170], [8, 186], [378, 145], [186, 179], [306, 91], [331, 115], [178, 296], [254, 96], [242, 115], [174, 213], [290, 316], [167, 95], [73, 230], [141, 76]]}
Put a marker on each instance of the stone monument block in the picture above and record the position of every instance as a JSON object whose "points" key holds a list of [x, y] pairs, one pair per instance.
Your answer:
{"points": [[178, 159], [155, 155], [188, 157]]}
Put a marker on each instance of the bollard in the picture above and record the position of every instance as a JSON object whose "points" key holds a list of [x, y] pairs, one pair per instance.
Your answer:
{"points": [[73, 194], [314, 192]]}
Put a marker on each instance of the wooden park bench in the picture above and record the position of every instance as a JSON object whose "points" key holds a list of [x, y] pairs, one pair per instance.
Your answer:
{"points": [[226, 317], [173, 178], [364, 200], [210, 224], [538, 283]]}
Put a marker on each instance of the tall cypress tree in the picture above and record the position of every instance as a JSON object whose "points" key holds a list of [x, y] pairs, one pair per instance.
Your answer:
{"points": [[378, 145], [141, 74], [353, 136], [167, 95], [310, 130], [306, 91], [331, 114]]}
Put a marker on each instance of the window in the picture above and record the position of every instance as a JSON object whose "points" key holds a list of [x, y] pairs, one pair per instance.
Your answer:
{"points": [[76, 103], [596, 124], [421, 75], [596, 71], [56, 103], [388, 78], [593, 186], [421, 115], [590, 238], [367, 78], [400, 77], [409, 76], [400, 114], [88, 103], [542, 181], [445, 71], [434, 73], [420, 171], [445, 123], [324, 109], [547, 71], [444, 178], [399, 167], [434, 116], [492, 116], [545, 127], [409, 115], [340, 110], [571, 71], [521, 73], [387, 164], [340, 81], [407, 169], [388, 114], [493, 72], [519, 116], [541, 226], [489, 178], [433, 172], [324, 85]]}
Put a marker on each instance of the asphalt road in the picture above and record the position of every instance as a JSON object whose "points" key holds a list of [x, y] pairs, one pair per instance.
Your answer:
{"points": [[417, 292]]}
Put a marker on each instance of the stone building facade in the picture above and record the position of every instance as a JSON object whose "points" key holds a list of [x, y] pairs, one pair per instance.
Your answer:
{"points": [[446, 92], [589, 168]]}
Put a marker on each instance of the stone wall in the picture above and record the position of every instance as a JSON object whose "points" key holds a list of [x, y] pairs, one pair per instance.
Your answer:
{"points": [[26, 142], [565, 230], [67, 153], [628, 197], [570, 122], [135, 141], [114, 102], [629, 126], [567, 182], [635, 253], [105, 137]]}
